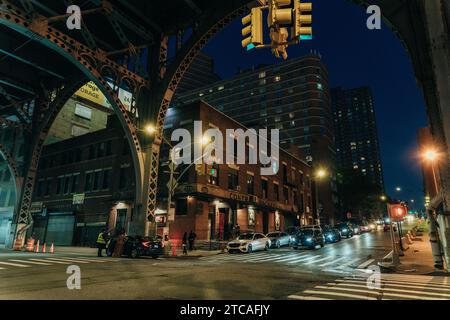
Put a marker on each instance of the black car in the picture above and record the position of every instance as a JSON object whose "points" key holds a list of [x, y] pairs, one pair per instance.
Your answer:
{"points": [[345, 229], [332, 235], [135, 247], [309, 238]]}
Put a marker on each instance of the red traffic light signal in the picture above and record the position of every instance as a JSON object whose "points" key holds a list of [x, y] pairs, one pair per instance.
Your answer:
{"points": [[397, 212]]}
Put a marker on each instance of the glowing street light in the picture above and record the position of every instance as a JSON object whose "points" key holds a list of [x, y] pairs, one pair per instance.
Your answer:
{"points": [[321, 173], [383, 198], [150, 129], [398, 189], [430, 155]]}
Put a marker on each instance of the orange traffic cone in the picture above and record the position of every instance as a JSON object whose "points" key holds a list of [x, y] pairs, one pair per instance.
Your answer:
{"points": [[52, 248], [44, 248], [37, 247]]}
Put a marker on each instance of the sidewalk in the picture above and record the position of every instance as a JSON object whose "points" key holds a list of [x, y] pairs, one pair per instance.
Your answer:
{"points": [[418, 259]]}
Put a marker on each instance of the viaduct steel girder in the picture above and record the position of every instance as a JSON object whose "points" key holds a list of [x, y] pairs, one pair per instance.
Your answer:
{"points": [[92, 52]]}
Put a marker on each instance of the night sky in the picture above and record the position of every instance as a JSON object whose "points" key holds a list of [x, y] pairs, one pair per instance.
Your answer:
{"points": [[355, 56]]}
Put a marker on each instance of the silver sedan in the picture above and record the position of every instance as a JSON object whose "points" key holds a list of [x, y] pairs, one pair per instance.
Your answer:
{"points": [[279, 239]]}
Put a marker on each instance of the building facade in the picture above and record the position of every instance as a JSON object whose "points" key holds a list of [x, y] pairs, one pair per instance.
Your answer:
{"points": [[293, 97], [211, 199], [357, 145], [84, 184]]}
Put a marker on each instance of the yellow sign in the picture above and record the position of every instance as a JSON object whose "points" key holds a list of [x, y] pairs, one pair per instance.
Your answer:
{"points": [[92, 93]]}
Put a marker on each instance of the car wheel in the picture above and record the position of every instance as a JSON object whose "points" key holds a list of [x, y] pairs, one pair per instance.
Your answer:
{"points": [[278, 244], [155, 256], [249, 249], [134, 253], [322, 245]]}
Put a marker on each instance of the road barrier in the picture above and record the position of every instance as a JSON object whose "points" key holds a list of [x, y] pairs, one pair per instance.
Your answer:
{"points": [[44, 248], [405, 244], [36, 250], [18, 243], [30, 245], [52, 249]]}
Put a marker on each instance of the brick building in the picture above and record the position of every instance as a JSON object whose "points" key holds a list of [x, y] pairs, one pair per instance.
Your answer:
{"points": [[211, 199], [84, 184]]}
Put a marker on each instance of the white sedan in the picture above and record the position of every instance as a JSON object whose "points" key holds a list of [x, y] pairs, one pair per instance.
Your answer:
{"points": [[249, 242]]}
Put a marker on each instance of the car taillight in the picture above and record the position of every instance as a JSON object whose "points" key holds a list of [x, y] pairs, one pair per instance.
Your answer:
{"points": [[146, 244]]}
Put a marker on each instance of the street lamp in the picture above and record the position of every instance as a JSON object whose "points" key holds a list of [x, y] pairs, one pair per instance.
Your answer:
{"points": [[383, 198], [320, 174], [398, 189], [432, 156], [150, 129]]}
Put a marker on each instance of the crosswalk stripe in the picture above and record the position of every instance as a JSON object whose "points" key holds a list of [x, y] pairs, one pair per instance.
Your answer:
{"points": [[419, 281], [332, 262], [303, 259], [85, 259], [339, 294], [258, 259], [15, 265], [350, 263], [398, 290], [66, 260], [2, 268], [30, 262], [296, 297], [411, 296], [366, 264], [297, 257], [57, 262], [320, 260], [404, 284], [286, 257], [348, 290]]}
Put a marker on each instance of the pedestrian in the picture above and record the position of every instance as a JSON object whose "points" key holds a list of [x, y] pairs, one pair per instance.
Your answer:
{"points": [[238, 230], [118, 248], [101, 242], [191, 239], [184, 243]]}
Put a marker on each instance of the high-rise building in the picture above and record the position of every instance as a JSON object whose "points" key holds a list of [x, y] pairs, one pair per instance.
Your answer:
{"points": [[357, 146], [291, 96], [199, 74]]}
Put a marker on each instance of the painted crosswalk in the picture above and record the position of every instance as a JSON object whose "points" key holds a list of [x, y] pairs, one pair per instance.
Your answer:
{"points": [[386, 287], [340, 264], [36, 261]]}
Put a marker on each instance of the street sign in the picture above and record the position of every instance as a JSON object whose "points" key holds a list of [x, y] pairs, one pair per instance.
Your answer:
{"points": [[78, 198], [397, 212]]}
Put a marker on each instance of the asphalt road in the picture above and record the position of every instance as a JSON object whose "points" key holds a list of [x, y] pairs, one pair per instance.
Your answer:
{"points": [[276, 274]]}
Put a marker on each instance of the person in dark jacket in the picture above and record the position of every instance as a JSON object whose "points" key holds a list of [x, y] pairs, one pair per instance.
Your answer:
{"points": [[184, 243], [192, 237]]}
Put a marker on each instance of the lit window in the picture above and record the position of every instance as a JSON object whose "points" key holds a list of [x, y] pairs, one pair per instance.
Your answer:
{"points": [[262, 75], [220, 88], [201, 94], [319, 86], [277, 79]]}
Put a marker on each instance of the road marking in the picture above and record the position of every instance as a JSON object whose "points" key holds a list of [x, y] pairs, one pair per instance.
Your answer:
{"points": [[30, 262], [67, 260], [350, 263], [347, 289], [304, 259], [296, 297], [320, 260], [85, 259], [418, 281], [403, 285], [398, 290], [339, 294], [365, 264], [57, 262], [14, 265], [332, 262], [412, 297]]}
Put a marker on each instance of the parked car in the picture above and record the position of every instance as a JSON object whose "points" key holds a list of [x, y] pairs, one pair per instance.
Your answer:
{"points": [[314, 227], [345, 229], [332, 235], [308, 238], [135, 247], [279, 239], [292, 230], [249, 242], [364, 227], [387, 227]]}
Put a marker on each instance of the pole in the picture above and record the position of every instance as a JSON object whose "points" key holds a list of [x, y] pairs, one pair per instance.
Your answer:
{"points": [[434, 178], [170, 193]]}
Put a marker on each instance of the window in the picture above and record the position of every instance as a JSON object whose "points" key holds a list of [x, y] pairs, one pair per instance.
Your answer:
{"points": [[105, 182], [264, 186], [48, 186], [285, 176], [60, 185], [79, 131], [250, 184], [213, 174], [233, 179], [67, 184], [83, 112], [75, 182], [181, 207], [123, 178], [40, 187], [97, 180], [276, 192], [286, 195], [88, 181]]}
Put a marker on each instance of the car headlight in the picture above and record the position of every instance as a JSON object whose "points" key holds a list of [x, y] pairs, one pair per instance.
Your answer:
{"points": [[344, 230], [330, 236], [308, 239]]}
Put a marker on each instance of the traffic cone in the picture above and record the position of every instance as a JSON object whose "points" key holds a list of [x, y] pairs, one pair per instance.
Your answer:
{"points": [[37, 247], [52, 249], [44, 248]]}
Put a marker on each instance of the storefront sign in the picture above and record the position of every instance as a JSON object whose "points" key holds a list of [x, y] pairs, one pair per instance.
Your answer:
{"points": [[242, 197], [36, 207], [78, 198], [92, 93]]}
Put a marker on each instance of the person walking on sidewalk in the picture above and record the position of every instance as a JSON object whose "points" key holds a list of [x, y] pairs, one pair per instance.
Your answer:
{"points": [[184, 243], [118, 249], [101, 242]]}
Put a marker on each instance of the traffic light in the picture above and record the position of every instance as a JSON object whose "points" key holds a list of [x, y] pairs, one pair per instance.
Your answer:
{"points": [[280, 13], [253, 30], [211, 169], [302, 24]]}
